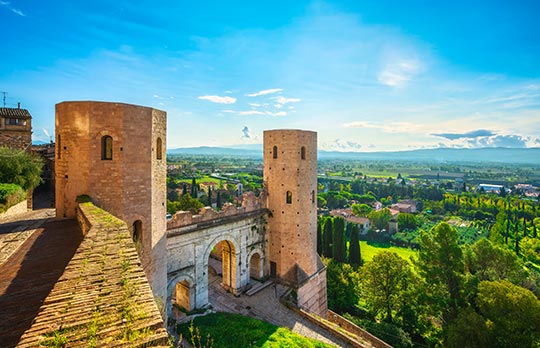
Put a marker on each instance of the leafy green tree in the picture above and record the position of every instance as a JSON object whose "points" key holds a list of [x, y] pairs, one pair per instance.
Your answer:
{"points": [[512, 312], [339, 243], [20, 168], [469, 330], [530, 249], [407, 221], [361, 210], [384, 284], [355, 255], [487, 261], [188, 203], [342, 286], [327, 238], [440, 263], [380, 218]]}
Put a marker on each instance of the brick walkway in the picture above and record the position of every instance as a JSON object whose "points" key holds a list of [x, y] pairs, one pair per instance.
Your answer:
{"points": [[31, 271]]}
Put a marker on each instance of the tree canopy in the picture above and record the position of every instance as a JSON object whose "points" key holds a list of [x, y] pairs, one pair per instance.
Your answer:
{"points": [[20, 168]]}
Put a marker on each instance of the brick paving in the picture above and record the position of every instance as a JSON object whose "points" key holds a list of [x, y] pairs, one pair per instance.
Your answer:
{"points": [[29, 274], [14, 230]]}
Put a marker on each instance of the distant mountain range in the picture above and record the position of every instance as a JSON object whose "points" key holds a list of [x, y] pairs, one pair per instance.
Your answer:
{"points": [[480, 155]]}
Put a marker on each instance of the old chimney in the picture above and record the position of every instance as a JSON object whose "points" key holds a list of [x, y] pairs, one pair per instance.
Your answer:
{"points": [[18, 105]]}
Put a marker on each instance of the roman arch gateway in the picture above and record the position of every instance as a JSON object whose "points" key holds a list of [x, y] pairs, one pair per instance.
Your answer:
{"points": [[115, 153]]}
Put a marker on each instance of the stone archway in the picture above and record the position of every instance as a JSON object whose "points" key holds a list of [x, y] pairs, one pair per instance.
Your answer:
{"points": [[256, 266], [224, 261]]}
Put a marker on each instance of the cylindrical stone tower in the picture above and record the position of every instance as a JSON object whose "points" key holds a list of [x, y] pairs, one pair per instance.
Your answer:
{"points": [[290, 175], [115, 153]]}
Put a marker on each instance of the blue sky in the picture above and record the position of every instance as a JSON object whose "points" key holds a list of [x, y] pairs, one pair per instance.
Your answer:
{"points": [[366, 75]]}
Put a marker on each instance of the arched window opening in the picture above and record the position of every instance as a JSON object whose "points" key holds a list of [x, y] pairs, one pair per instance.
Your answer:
{"points": [[137, 231], [59, 147], [303, 152], [289, 197], [274, 152], [159, 151], [106, 147]]}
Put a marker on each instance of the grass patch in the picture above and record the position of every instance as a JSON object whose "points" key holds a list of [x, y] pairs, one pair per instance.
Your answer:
{"points": [[371, 249], [236, 331]]}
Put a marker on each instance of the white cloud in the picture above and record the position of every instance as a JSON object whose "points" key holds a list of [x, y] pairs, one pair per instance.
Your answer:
{"points": [[397, 74], [218, 99], [257, 112], [283, 100], [342, 145], [251, 112], [264, 92], [391, 127], [12, 9], [255, 105]]}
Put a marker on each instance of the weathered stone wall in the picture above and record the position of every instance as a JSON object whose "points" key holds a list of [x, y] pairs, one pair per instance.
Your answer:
{"points": [[290, 177], [131, 185], [18, 208], [312, 294], [250, 203], [189, 248]]}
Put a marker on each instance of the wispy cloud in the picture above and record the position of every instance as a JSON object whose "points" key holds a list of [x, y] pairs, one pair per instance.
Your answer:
{"points": [[397, 74], [280, 101], [264, 92], [218, 99], [391, 127], [468, 135], [342, 145], [257, 112], [12, 9]]}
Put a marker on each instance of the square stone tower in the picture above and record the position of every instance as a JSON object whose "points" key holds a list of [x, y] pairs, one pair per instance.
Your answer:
{"points": [[290, 176], [115, 153]]}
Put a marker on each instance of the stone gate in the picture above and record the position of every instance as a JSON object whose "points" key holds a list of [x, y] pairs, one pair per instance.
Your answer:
{"points": [[232, 242]]}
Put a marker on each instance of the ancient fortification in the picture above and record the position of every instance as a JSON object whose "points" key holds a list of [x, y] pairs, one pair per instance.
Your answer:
{"points": [[115, 153]]}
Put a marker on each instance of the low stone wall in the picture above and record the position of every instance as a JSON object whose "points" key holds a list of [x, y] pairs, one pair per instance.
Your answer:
{"points": [[355, 329], [18, 208], [250, 203]]}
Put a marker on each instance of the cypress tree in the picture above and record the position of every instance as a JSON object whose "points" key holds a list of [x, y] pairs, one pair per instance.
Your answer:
{"points": [[355, 257], [209, 196], [327, 238], [218, 200], [534, 230], [193, 188], [319, 238], [184, 189], [339, 249], [524, 227]]}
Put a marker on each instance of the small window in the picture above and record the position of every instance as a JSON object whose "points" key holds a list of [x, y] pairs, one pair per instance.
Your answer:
{"points": [[15, 121], [137, 231], [313, 196], [159, 150], [59, 147], [106, 147], [303, 152], [289, 197], [274, 152]]}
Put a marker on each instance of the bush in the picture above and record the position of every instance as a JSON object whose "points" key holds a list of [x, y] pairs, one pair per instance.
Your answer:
{"points": [[21, 168], [10, 194]]}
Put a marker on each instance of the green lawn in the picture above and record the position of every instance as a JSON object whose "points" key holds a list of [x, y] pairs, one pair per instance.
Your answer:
{"points": [[371, 249], [228, 330]]}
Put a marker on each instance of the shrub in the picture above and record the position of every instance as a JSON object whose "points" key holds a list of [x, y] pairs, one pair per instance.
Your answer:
{"points": [[10, 194]]}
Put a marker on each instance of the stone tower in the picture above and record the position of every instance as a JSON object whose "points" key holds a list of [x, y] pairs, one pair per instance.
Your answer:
{"points": [[115, 153], [290, 175]]}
